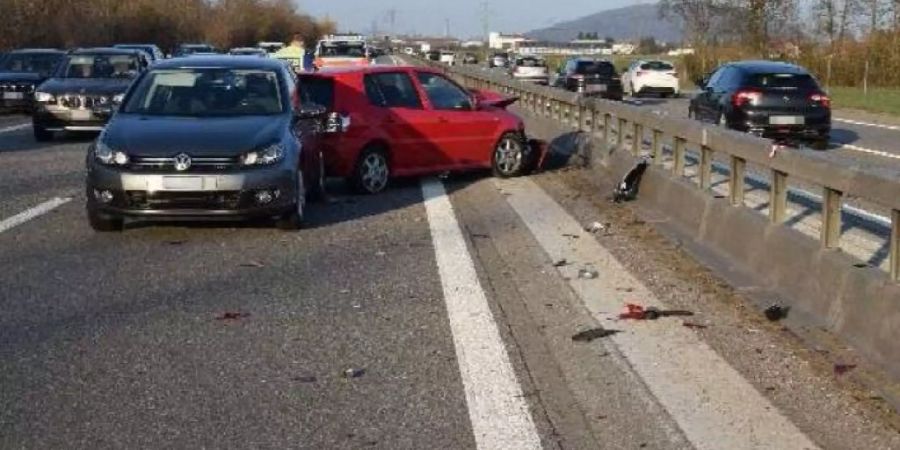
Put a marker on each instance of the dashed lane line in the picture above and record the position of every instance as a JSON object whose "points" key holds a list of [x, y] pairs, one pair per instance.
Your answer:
{"points": [[867, 124], [15, 128], [497, 409], [31, 213], [869, 151]]}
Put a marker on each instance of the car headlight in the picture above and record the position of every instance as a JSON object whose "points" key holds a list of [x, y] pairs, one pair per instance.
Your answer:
{"points": [[108, 156], [44, 97], [117, 99], [269, 155]]}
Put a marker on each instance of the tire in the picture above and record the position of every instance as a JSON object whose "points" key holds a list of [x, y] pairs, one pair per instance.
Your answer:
{"points": [[691, 114], [372, 172], [103, 223], [634, 93], [317, 191], [293, 219], [509, 158], [41, 134]]}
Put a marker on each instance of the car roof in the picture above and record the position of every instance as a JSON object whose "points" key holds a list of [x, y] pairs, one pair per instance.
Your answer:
{"points": [[106, 51], [340, 71], [134, 45], [763, 66], [49, 51], [225, 61]]}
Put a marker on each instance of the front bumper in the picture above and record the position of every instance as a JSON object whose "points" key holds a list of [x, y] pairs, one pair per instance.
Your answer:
{"points": [[228, 195], [542, 80], [64, 119]]}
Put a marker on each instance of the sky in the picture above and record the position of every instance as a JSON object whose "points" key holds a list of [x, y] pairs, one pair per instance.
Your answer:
{"points": [[429, 17]]}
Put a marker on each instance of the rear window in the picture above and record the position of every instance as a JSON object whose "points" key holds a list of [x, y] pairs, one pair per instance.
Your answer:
{"points": [[392, 90], [531, 62], [782, 81], [657, 66], [595, 68], [317, 90]]}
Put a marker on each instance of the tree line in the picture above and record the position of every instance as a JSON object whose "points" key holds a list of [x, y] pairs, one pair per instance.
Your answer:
{"points": [[223, 23], [844, 42]]}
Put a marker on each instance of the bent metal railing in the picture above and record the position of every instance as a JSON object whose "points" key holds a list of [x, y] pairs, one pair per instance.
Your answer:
{"points": [[596, 116]]}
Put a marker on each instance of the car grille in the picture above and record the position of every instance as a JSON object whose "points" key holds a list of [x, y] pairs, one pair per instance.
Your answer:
{"points": [[198, 164], [222, 200], [83, 101], [17, 87]]}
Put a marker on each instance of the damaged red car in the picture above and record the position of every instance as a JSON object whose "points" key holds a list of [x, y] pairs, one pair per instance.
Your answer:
{"points": [[386, 122]]}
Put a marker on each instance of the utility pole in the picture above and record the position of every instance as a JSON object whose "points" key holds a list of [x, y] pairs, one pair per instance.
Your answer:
{"points": [[486, 20], [392, 19], [446, 27]]}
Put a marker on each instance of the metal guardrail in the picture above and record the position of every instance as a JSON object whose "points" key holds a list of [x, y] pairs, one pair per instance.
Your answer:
{"points": [[597, 115]]}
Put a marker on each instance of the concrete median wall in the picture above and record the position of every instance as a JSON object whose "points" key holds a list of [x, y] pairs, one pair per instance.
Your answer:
{"points": [[824, 287]]}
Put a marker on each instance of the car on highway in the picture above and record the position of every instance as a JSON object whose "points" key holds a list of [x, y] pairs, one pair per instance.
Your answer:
{"points": [[190, 49], [85, 89], [767, 98], [341, 51], [447, 57], [248, 51], [530, 68], [151, 49], [651, 77], [207, 138], [500, 60], [591, 77], [386, 122], [469, 58], [21, 71]]}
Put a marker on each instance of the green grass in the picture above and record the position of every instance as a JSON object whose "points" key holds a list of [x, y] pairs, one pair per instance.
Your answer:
{"points": [[879, 100]]}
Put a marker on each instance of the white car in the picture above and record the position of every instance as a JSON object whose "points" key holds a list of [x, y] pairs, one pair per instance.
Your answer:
{"points": [[651, 77], [448, 58], [409, 51], [530, 68]]}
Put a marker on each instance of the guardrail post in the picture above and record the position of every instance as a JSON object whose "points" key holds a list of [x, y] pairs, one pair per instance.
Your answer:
{"points": [[656, 147], [736, 182], [895, 245], [706, 157], [778, 197], [678, 163], [584, 123], [594, 125], [607, 119], [566, 113], [831, 218], [637, 138], [620, 133]]}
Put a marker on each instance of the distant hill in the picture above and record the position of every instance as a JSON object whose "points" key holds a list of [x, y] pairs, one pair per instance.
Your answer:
{"points": [[630, 22]]}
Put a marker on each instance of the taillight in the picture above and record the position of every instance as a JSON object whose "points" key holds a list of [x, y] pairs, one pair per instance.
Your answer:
{"points": [[821, 99], [745, 96]]}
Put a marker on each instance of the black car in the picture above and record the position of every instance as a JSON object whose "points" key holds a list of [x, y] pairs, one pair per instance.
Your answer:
{"points": [[218, 137], [593, 77], [20, 72], [766, 98], [151, 49], [86, 87], [470, 58], [190, 49]]}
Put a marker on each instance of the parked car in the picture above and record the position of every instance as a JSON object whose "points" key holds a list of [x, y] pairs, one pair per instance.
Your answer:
{"points": [[448, 57], [388, 122], [210, 138], [155, 53], [85, 89], [767, 98], [433, 55], [530, 68], [409, 51], [21, 71], [651, 77], [470, 58], [498, 60], [190, 49], [248, 51], [594, 77]]}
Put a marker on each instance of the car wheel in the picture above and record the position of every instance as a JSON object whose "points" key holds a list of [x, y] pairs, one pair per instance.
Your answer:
{"points": [[372, 171], [293, 219], [509, 156], [317, 191], [634, 93], [104, 223], [41, 134], [691, 114]]}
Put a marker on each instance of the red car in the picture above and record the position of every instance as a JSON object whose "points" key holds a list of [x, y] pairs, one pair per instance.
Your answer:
{"points": [[388, 121]]}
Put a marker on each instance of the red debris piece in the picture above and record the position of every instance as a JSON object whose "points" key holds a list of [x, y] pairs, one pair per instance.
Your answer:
{"points": [[233, 315], [841, 369], [638, 312]]}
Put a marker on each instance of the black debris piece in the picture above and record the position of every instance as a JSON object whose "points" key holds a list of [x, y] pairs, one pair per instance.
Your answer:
{"points": [[777, 312], [561, 263], [593, 333], [627, 190], [354, 373]]}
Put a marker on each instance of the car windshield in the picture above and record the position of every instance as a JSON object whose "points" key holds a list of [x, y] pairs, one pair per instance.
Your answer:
{"points": [[144, 48], [30, 63], [658, 66], [207, 92], [531, 62], [342, 50], [783, 81], [594, 68], [101, 66], [317, 90]]}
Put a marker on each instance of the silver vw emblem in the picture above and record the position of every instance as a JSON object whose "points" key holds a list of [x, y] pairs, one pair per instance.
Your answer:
{"points": [[182, 162]]}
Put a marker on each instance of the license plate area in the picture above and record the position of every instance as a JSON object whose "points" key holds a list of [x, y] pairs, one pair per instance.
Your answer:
{"points": [[596, 88], [13, 96], [182, 183], [786, 120], [80, 114]]}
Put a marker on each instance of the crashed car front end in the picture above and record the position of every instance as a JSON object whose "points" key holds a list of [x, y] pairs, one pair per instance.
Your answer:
{"points": [[68, 111]]}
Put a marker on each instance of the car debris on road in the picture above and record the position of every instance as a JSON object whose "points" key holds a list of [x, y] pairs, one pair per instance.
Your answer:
{"points": [[593, 333], [638, 312]]}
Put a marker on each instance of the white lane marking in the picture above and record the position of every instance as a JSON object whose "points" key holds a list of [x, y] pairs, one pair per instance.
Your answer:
{"points": [[15, 128], [869, 150], [710, 401], [31, 213], [497, 409], [867, 124]]}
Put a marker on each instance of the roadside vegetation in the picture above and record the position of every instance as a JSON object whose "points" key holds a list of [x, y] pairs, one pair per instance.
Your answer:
{"points": [[224, 23]]}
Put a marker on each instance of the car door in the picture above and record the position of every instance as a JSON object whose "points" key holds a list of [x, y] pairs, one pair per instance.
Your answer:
{"points": [[465, 134], [402, 117], [705, 103]]}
